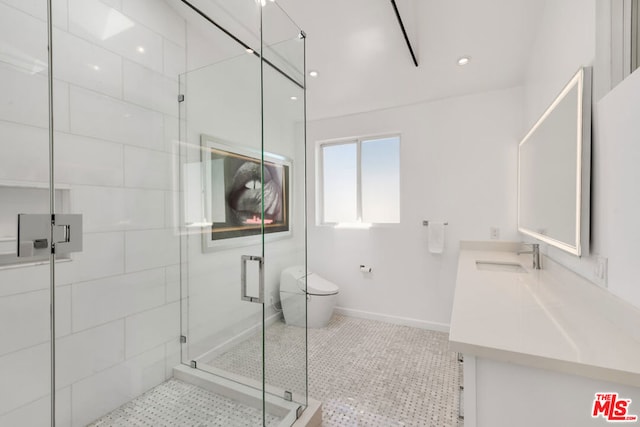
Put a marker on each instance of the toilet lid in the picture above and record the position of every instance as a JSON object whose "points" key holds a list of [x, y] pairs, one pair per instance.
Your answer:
{"points": [[316, 285]]}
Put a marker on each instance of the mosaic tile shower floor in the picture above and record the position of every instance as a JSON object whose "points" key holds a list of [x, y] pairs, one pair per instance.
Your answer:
{"points": [[176, 403], [366, 373]]}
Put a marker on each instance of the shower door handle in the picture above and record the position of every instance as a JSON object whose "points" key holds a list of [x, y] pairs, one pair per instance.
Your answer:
{"points": [[243, 279], [36, 230]]}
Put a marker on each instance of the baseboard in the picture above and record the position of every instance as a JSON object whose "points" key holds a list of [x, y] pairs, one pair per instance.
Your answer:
{"points": [[397, 320], [237, 339]]}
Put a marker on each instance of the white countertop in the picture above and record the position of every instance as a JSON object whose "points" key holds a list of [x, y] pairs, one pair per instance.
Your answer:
{"points": [[549, 318]]}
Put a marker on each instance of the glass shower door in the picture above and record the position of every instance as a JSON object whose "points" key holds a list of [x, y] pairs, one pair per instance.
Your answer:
{"points": [[25, 283], [283, 98], [221, 173], [242, 174]]}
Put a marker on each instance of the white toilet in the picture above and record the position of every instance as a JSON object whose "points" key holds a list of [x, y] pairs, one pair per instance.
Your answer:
{"points": [[322, 296]]}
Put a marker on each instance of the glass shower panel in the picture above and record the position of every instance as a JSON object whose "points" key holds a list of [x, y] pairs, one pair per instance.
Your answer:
{"points": [[221, 175], [284, 137], [25, 337], [118, 300]]}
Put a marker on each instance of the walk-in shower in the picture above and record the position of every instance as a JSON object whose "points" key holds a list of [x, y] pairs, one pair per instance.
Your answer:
{"points": [[158, 148]]}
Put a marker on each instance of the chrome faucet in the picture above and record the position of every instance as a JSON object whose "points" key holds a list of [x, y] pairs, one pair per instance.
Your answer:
{"points": [[535, 250]]}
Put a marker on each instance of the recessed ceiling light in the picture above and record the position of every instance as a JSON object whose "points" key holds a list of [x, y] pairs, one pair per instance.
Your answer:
{"points": [[140, 49], [249, 50], [464, 60], [294, 98], [95, 67], [313, 73]]}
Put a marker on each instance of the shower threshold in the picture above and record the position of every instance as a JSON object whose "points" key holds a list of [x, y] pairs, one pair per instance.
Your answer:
{"points": [[196, 397]]}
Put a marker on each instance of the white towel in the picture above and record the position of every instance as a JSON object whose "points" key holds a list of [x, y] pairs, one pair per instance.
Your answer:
{"points": [[436, 237]]}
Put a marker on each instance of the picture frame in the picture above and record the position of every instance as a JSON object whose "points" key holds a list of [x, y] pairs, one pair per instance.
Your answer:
{"points": [[233, 191]]}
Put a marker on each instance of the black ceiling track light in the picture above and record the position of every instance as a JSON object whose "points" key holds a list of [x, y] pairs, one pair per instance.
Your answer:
{"points": [[404, 32], [248, 48]]}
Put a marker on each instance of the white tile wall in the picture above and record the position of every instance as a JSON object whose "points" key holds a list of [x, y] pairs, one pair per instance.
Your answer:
{"points": [[24, 99], [38, 9], [33, 414], [63, 311], [29, 53], [172, 275], [113, 30], [158, 16], [86, 353], [24, 320], [29, 154], [112, 209], [21, 280], [25, 377], [147, 169], [105, 300], [147, 330], [102, 256], [99, 116], [171, 134], [150, 89], [88, 161], [84, 64], [147, 249], [174, 59], [37, 413], [111, 388]]}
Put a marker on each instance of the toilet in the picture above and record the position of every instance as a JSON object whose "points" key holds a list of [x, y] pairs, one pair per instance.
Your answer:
{"points": [[322, 296]]}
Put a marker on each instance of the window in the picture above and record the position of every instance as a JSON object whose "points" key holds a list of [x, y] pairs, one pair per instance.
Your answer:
{"points": [[359, 181]]}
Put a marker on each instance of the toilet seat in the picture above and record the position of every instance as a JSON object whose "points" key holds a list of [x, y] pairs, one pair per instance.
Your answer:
{"points": [[319, 286]]}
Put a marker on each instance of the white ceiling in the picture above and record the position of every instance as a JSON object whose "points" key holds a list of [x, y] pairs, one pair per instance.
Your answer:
{"points": [[364, 64]]}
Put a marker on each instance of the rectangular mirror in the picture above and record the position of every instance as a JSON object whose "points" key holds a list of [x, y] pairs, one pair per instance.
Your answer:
{"points": [[554, 170]]}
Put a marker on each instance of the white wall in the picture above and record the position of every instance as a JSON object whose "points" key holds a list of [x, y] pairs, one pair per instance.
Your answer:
{"points": [[458, 164], [565, 42], [616, 176], [572, 34], [118, 300]]}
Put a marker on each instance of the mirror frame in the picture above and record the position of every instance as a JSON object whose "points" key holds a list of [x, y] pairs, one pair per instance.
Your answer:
{"points": [[581, 80]]}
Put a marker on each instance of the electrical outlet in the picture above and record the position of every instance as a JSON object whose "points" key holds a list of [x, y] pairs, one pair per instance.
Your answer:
{"points": [[600, 269], [494, 233]]}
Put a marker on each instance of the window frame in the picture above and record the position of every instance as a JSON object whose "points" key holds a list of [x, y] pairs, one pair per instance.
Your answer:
{"points": [[320, 179]]}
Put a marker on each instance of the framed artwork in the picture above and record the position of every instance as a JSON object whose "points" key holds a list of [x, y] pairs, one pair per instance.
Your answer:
{"points": [[234, 190]]}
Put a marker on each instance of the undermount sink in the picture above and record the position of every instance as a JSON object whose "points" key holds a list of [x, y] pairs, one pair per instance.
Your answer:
{"points": [[510, 267]]}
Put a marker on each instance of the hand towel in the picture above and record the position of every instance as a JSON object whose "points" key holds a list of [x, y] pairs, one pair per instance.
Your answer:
{"points": [[436, 237]]}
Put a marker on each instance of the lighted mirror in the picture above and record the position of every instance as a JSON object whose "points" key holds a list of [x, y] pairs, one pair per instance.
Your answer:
{"points": [[554, 170]]}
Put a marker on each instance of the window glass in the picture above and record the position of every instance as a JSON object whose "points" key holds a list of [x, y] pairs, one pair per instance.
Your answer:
{"points": [[340, 182], [360, 181], [380, 174]]}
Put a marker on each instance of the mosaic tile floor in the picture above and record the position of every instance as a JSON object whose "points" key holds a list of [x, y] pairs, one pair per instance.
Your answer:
{"points": [[176, 403], [366, 373]]}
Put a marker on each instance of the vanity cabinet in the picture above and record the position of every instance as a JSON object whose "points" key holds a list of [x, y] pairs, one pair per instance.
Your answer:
{"points": [[539, 344]]}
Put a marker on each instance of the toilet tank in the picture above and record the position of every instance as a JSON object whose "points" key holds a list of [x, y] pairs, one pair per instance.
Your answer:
{"points": [[292, 279]]}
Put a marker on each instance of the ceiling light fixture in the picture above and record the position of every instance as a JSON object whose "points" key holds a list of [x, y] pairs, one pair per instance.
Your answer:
{"points": [[313, 73], [140, 49], [294, 98], [249, 50], [464, 60]]}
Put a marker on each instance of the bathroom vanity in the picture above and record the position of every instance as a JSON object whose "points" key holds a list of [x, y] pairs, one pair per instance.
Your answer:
{"points": [[539, 344]]}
